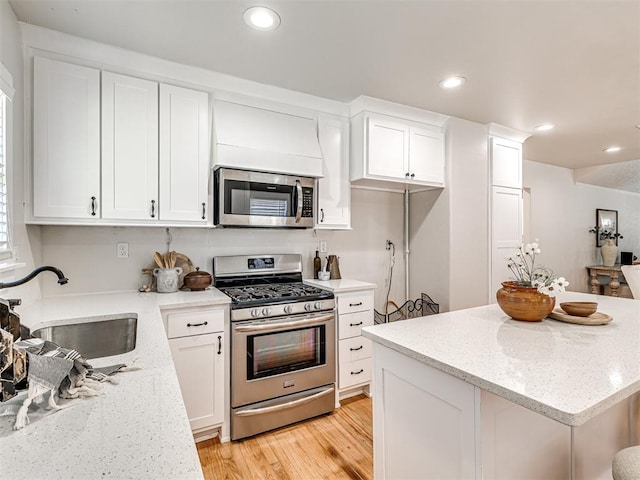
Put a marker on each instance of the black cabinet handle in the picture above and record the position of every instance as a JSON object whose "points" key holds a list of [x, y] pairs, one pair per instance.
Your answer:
{"points": [[321, 215], [219, 344], [355, 304], [355, 324], [93, 206], [406, 174], [197, 324], [356, 349], [413, 175], [203, 211], [153, 208], [358, 372]]}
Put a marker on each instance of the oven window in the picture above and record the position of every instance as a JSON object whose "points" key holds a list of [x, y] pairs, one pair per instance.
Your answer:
{"points": [[252, 198], [281, 352]]}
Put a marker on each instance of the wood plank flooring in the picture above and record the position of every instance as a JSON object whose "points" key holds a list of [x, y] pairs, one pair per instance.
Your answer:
{"points": [[334, 446]]}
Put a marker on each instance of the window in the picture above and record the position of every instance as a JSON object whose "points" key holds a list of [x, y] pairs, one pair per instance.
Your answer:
{"points": [[6, 95], [4, 233]]}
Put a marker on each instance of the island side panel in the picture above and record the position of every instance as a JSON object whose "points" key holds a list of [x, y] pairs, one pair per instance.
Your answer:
{"points": [[424, 421]]}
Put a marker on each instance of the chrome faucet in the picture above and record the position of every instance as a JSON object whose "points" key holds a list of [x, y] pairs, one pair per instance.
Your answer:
{"points": [[61, 278]]}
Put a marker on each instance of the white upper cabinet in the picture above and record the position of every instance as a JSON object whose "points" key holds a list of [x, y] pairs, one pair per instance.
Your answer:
{"points": [[334, 190], [387, 147], [117, 150], [395, 144], [129, 148], [506, 163], [184, 158], [66, 140]]}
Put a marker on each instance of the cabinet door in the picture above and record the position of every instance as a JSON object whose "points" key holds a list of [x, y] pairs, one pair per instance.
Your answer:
{"points": [[506, 233], [184, 159], [66, 140], [199, 363], [388, 148], [506, 163], [426, 156], [334, 190], [129, 148]]}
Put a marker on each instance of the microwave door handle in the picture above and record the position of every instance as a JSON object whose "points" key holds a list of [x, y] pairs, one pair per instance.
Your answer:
{"points": [[298, 201]]}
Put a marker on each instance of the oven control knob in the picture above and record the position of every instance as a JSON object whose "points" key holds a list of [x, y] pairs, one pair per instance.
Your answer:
{"points": [[317, 305], [255, 312], [307, 307], [266, 311], [288, 309]]}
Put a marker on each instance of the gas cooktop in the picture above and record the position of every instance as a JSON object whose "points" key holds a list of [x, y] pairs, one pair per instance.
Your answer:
{"points": [[265, 294]]}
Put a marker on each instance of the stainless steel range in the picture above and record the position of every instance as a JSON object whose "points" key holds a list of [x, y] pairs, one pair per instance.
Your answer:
{"points": [[282, 342]]}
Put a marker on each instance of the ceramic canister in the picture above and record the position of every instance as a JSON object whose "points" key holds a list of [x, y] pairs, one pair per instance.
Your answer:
{"points": [[167, 279]]}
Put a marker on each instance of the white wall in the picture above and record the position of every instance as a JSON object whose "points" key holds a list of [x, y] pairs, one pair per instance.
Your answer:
{"points": [[27, 246], [87, 255], [562, 212]]}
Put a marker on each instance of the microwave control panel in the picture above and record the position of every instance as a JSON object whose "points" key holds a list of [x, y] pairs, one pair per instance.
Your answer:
{"points": [[307, 202]]}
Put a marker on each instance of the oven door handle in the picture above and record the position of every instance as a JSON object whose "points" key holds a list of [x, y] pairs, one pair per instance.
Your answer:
{"points": [[298, 201], [283, 406], [278, 325]]}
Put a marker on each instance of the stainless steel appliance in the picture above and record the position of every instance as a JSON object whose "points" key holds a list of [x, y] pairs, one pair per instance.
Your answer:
{"points": [[258, 199], [283, 339]]}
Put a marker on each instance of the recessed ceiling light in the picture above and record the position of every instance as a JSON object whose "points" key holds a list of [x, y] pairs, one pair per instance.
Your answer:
{"points": [[613, 149], [452, 82], [544, 127], [261, 18]]}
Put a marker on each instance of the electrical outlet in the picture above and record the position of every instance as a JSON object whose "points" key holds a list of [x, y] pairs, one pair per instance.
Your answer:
{"points": [[323, 246], [122, 249]]}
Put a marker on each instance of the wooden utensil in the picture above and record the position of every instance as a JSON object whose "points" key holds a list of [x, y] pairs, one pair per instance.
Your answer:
{"points": [[157, 256], [172, 259]]}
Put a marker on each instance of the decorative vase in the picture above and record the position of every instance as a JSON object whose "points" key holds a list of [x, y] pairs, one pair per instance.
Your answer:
{"points": [[524, 303], [609, 252]]}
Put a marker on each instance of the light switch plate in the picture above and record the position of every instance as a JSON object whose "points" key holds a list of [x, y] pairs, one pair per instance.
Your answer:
{"points": [[323, 246], [122, 249]]}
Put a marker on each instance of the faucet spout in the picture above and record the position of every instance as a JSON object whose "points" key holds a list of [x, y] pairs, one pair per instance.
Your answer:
{"points": [[61, 278]]}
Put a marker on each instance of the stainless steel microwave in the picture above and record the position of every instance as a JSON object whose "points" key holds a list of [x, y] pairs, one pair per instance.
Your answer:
{"points": [[258, 199]]}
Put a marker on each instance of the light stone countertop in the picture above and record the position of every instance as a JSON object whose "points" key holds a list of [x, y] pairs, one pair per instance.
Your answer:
{"points": [[569, 373], [137, 429], [340, 285]]}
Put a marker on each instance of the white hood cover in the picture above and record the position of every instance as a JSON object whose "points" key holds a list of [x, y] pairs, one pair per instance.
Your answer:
{"points": [[252, 138]]}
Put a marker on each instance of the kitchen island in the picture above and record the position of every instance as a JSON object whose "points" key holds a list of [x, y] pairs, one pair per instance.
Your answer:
{"points": [[137, 429], [475, 394]]}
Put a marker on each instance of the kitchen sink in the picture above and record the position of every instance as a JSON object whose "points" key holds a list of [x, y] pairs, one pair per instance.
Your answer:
{"points": [[94, 337]]}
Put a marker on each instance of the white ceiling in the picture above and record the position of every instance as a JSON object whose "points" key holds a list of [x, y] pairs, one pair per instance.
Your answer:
{"points": [[572, 63]]}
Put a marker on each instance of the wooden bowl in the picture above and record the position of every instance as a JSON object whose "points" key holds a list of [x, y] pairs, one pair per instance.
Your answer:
{"points": [[579, 309]]}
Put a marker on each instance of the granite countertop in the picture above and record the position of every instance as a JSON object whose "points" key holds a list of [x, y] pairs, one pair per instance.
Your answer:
{"points": [[137, 429], [340, 285], [567, 372]]}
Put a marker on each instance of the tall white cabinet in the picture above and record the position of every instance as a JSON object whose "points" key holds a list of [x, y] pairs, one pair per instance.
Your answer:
{"points": [[66, 144], [506, 208]]}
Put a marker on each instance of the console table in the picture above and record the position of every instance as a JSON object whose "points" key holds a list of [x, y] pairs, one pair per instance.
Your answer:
{"points": [[613, 272]]}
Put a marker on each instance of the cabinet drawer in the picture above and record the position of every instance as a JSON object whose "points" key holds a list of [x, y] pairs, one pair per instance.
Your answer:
{"points": [[355, 348], [355, 302], [354, 373], [350, 324], [182, 324]]}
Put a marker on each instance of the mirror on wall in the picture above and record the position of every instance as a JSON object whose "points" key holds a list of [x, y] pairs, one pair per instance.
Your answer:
{"points": [[606, 220]]}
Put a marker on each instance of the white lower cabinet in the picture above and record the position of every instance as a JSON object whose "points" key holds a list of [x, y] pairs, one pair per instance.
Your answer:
{"points": [[355, 311], [199, 349]]}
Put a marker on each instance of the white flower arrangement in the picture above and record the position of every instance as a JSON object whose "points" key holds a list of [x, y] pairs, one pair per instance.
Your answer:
{"points": [[527, 274]]}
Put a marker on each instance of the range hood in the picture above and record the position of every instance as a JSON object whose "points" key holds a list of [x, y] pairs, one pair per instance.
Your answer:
{"points": [[257, 139]]}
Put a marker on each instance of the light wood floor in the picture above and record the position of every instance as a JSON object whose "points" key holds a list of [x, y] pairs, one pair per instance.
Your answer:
{"points": [[334, 446]]}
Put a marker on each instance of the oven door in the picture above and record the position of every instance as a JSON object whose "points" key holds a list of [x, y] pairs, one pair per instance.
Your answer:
{"points": [[280, 356], [255, 199]]}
